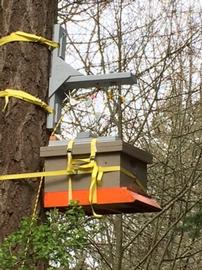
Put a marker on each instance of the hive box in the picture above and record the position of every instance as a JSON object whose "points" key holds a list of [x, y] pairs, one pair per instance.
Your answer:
{"points": [[116, 193]]}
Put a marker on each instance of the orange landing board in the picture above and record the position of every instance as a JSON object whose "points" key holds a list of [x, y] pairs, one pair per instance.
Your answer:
{"points": [[109, 201]]}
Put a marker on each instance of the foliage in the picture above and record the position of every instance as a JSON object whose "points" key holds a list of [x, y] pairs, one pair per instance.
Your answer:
{"points": [[56, 241], [193, 224]]}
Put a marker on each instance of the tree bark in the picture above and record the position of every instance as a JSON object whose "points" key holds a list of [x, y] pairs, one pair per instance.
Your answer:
{"points": [[23, 66]]}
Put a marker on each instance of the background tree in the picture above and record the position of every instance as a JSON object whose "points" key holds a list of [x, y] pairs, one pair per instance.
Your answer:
{"points": [[160, 41]]}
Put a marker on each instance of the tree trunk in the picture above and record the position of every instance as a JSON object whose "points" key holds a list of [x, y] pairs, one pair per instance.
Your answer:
{"points": [[23, 66]]}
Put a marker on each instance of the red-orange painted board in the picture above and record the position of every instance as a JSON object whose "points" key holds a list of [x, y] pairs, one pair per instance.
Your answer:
{"points": [[105, 196]]}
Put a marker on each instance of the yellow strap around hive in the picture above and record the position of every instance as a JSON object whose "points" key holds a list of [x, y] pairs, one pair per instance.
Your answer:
{"points": [[73, 169], [87, 162], [22, 176], [93, 149], [26, 37], [94, 166], [102, 170], [23, 96], [89, 166], [93, 184], [69, 168]]}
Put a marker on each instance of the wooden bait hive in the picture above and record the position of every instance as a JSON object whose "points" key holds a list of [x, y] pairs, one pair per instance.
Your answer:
{"points": [[119, 191]]}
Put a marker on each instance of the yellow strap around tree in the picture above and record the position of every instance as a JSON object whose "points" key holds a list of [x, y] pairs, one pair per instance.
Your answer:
{"points": [[22, 176], [23, 96], [26, 37]]}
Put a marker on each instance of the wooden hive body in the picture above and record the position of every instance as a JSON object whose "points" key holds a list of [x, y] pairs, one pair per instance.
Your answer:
{"points": [[114, 187]]}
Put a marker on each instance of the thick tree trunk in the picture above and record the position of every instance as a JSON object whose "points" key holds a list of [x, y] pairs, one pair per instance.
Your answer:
{"points": [[23, 66]]}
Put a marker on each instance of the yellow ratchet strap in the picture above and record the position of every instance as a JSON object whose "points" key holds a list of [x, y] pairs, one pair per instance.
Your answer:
{"points": [[102, 170], [93, 165], [74, 168], [21, 176], [23, 96], [93, 184], [26, 37], [69, 168], [89, 166]]}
